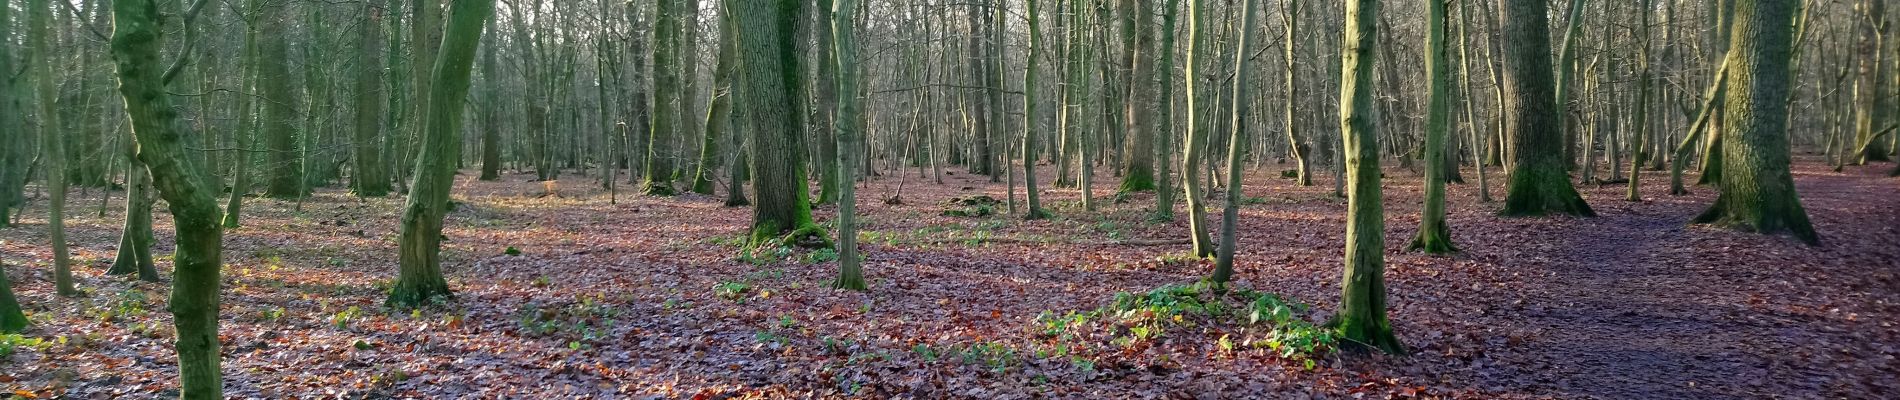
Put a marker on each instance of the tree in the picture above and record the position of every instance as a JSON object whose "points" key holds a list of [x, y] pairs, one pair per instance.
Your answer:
{"points": [[369, 178], [1191, 166], [1758, 191], [1643, 78], [1032, 120], [1138, 173], [13, 158], [1236, 146], [52, 139], [769, 58], [280, 100], [137, 40], [135, 240], [719, 112], [1872, 99], [12, 320], [1361, 319], [420, 278], [247, 125], [850, 109], [666, 99], [1291, 15], [1538, 183], [1433, 236]]}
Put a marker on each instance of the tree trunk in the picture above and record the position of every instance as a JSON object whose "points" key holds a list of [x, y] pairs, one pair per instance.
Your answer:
{"points": [[14, 157], [40, 66], [1871, 92], [280, 116], [136, 42], [773, 75], [1295, 146], [1538, 183], [1640, 143], [1032, 121], [719, 113], [1758, 192], [666, 100], [135, 240], [1196, 143], [1433, 235], [1236, 146], [850, 110], [1362, 317], [369, 178], [420, 278], [1138, 174]]}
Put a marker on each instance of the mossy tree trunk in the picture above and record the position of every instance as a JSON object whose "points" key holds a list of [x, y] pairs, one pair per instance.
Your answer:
{"points": [[770, 61], [1433, 235], [12, 320], [420, 278], [1680, 157], [1192, 167], [137, 39], [52, 139], [491, 118], [1758, 191], [1236, 146], [1362, 315], [1539, 182]]}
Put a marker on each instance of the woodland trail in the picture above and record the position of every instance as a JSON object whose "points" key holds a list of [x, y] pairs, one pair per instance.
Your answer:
{"points": [[1641, 306]]}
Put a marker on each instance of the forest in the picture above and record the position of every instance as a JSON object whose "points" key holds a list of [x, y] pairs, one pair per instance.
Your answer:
{"points": [[924, 199]]}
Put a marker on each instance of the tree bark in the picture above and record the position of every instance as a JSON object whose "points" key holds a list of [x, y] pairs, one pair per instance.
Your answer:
{"points": [[850, 110], [1758, 192], [773, 75], [420, 277], [1539, 184], [1236, 146], [1362, 315], [136, 42], [370, 178], [1433, 235], [1191, 165], [52, 139]]}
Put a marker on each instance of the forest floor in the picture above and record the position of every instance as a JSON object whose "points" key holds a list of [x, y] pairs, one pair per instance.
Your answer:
{"points": [[652, 298]]}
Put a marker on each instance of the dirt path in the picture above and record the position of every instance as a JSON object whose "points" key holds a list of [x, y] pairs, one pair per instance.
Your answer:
{"points": [[1638, 306]]}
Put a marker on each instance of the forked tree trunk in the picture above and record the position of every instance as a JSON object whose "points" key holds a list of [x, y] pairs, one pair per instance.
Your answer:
{"points": [[136, 42]]}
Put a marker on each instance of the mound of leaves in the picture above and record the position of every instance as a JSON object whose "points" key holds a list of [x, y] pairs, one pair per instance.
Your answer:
{"points": [[971, 206], [1236, 320]]}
